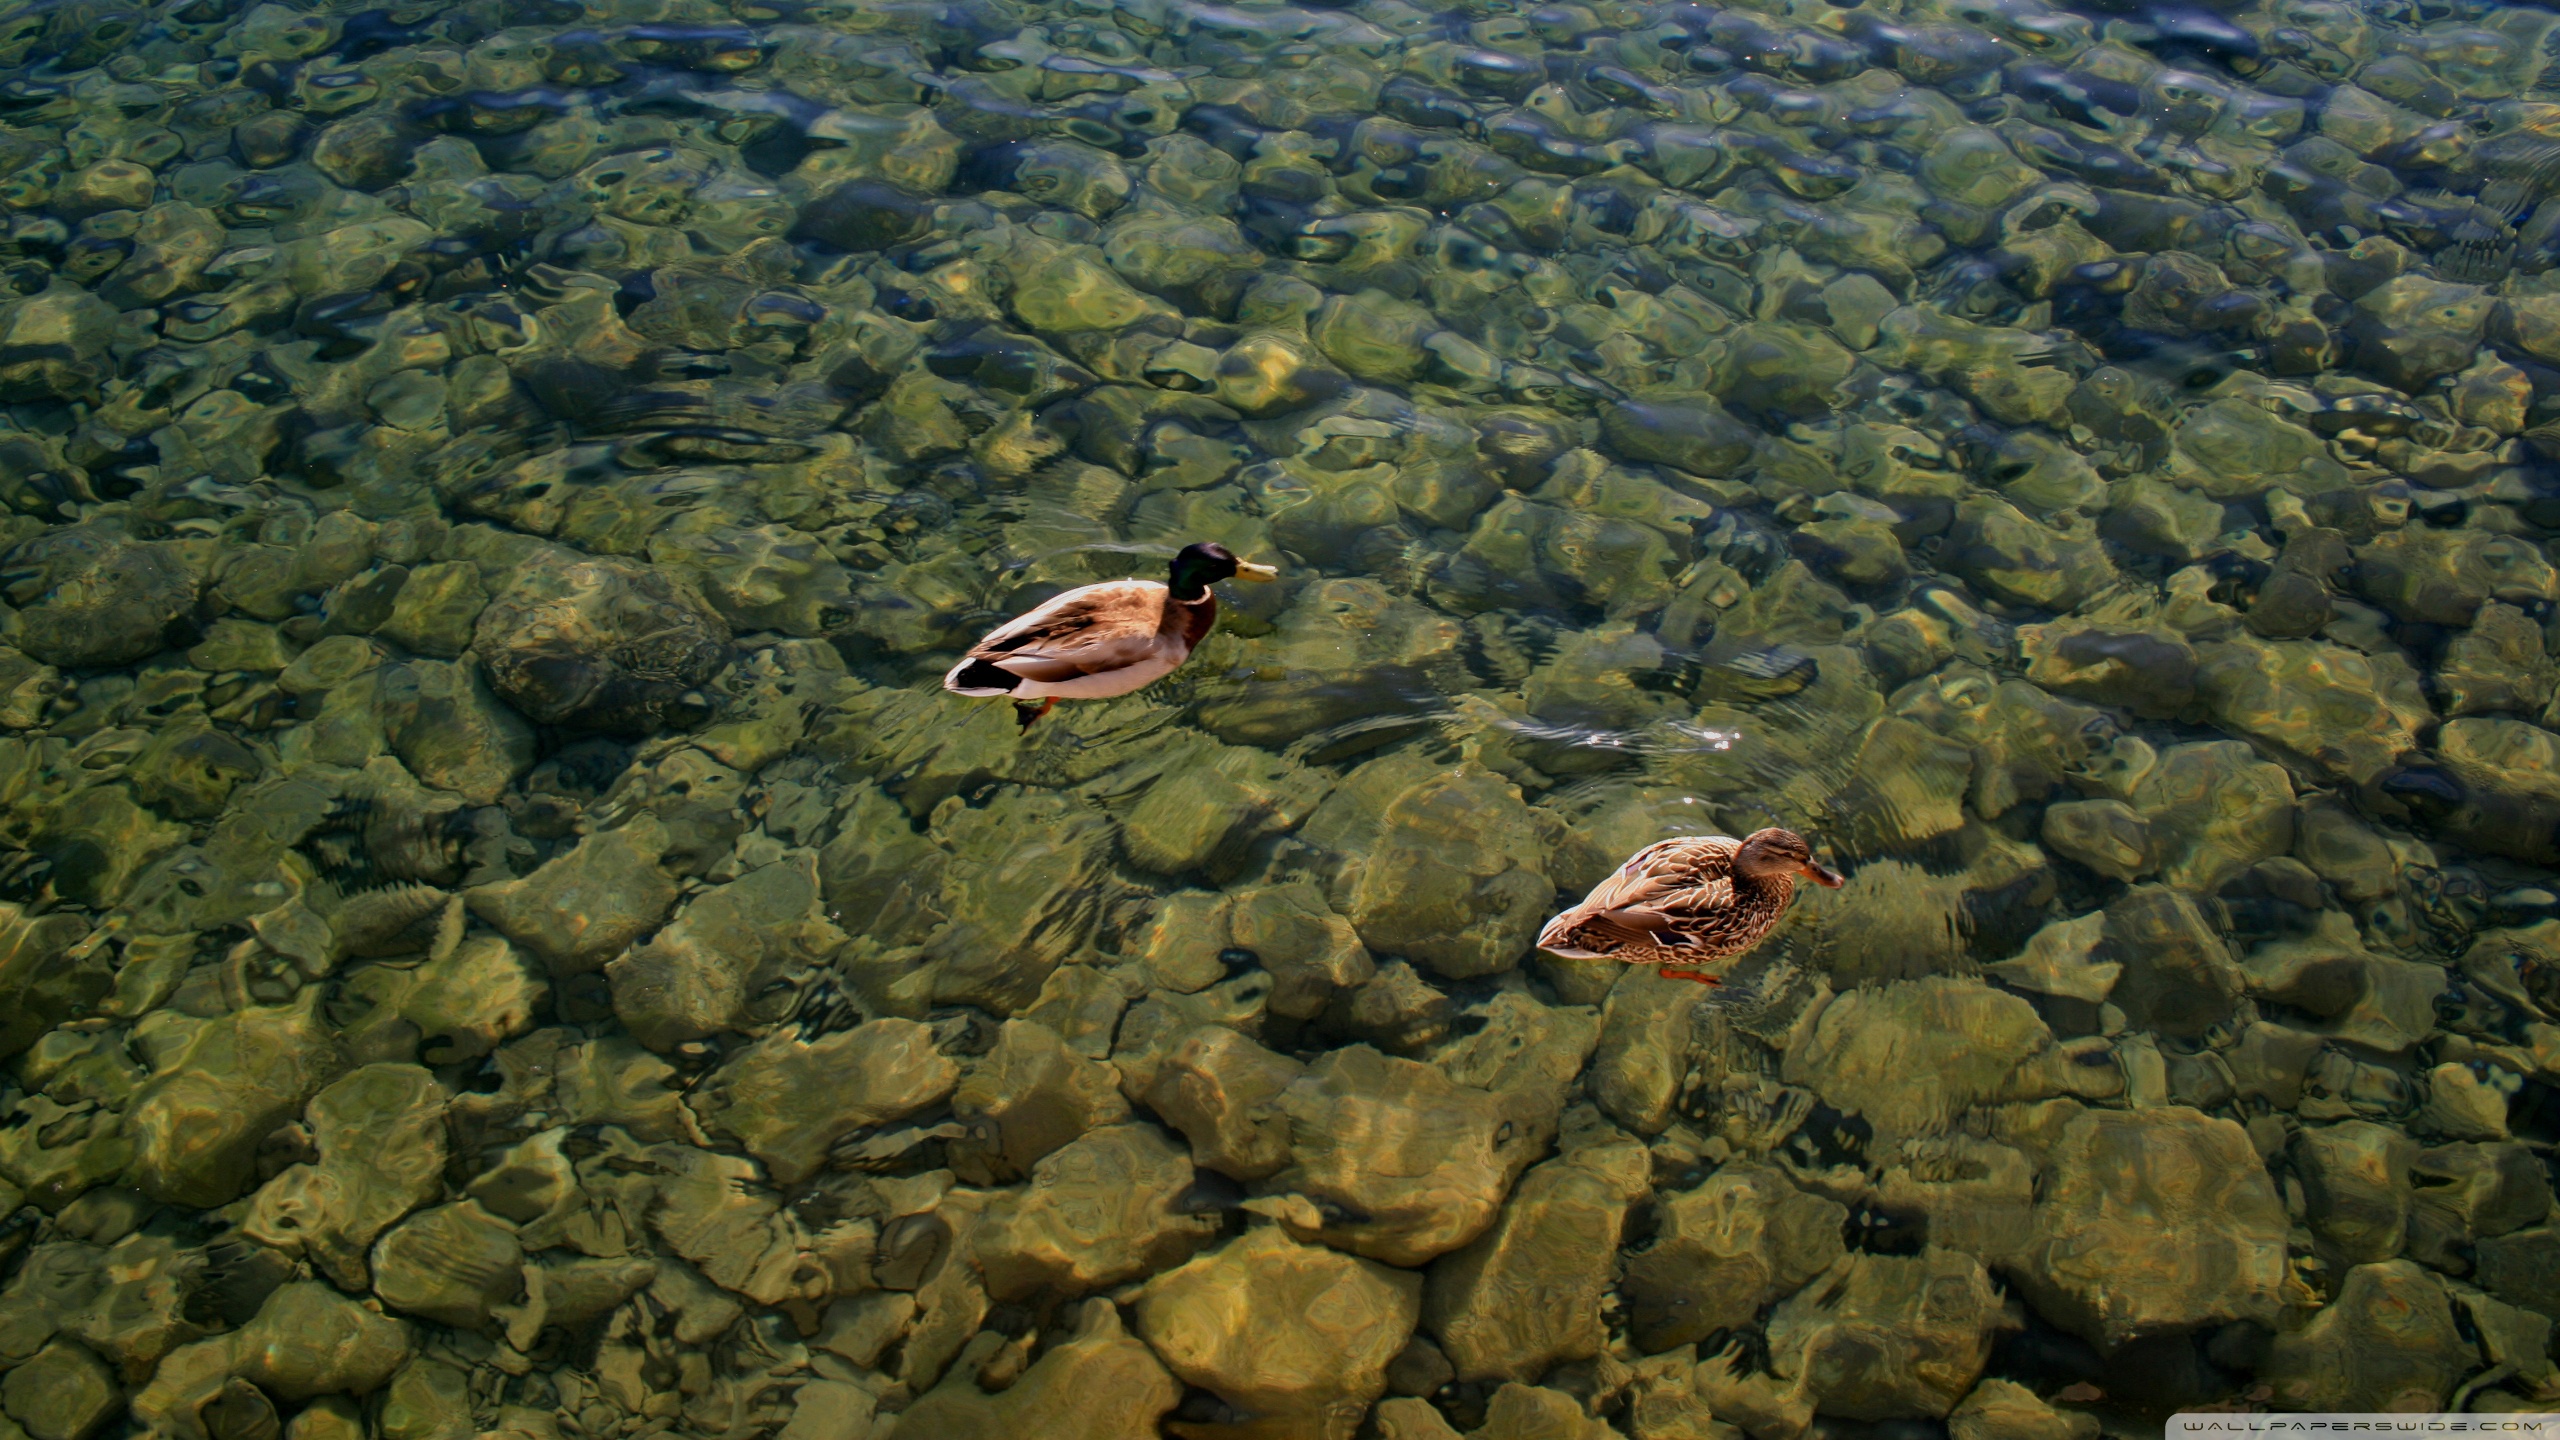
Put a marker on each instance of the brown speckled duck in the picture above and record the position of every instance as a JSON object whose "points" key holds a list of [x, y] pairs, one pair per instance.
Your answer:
{"points": [[1681, 903]]}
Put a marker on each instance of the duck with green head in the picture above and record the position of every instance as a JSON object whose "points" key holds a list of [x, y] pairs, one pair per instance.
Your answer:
{"points": [[1097, 641]]}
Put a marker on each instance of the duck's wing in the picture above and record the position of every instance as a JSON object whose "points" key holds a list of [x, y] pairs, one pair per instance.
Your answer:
{"points": [[1654, 897], [1091, 630]]}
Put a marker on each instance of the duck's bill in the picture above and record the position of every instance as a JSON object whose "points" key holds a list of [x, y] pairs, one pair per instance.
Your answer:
{"points": [[1822, 875], [1247, 570]]}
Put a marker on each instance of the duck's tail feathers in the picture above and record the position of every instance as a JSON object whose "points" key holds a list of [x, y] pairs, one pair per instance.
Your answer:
{"points": [[977, 677]]}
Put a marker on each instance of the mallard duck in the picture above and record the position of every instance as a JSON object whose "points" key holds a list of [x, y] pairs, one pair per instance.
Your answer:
{"points": [[1097, 641], [1686, 901]]}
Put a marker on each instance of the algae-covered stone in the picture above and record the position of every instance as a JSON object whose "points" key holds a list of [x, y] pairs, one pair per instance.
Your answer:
{"points": [[720, 963], [2213, 809], [2389, 1341], [436, 609], [604, 644], [1027, 1097], [1692, 434], [2468, 1193], [2108, 836], [2498, 664], [585, 906], [2411, 329], [2153, 1220], [1881, 1337], [1407, 1418], [1535, 1412], [1211, 805], [788, 1100], [1373, 335], [1312, 953], [442, 721], [1864, 1053], [2007, 1410], [428, 1399], [1557, 1235], [197, 1124], [1299, 1334], [454, 1265], [2232, 447], [38, 986], [380, 1134], [91, 594], [2023, 560], [2329, 709], [2522, 1268], [1644, 1048], [1097, 1384], [1451, 1154], [1343, 650], [307, 1339], [1441, 866], [61, 1392], [53, 344], [1222, 1091], [2178, 975], [1743, 1237], [2150, 671], [2356, 1185], [867, 214], [1102, 1210], [2444, 577]]}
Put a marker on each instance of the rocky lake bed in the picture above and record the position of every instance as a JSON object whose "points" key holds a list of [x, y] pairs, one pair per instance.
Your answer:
{"points": [[502, 933]]}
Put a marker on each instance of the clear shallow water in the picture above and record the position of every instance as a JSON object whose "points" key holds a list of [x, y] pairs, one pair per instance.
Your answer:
{"points": [[504, 931]]}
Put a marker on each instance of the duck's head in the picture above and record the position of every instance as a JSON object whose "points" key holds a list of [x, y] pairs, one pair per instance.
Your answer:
{"points": [[1202, 565], [1766, 854]]}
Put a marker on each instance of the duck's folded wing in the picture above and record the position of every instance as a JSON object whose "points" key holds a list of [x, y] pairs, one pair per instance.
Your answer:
{"points": [[1661, 890], [1693, 870], [1083, 632]]}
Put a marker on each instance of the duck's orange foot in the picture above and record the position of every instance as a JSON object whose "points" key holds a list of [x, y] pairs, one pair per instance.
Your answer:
{"points": [[1024, 712], [1701, 976]]}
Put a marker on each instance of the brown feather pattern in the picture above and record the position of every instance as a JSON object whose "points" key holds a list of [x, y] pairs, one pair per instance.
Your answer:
{"points": [[1675, 902]]}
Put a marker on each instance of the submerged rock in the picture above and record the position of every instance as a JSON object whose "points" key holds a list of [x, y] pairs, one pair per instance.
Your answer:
{"points": [[2153, 1220], [1295, 1335], [1094, 1385], [1443, 867], [789, 1100], [602, 644], [1558, 1232], [380, 1135], [1456, 1151], [1722, 1251], [454, 1265], [585, 906], [2006, 1410], [309, 1340], [1862, 1053], [1881, 1337], [1105, 1209], [60, 1393], [91, 595], [1025, 1099], [2389, 1341], [197, 1125]]}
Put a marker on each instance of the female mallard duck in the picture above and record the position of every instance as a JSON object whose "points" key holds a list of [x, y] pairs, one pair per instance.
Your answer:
{"points": [[1685, 901], [1097, 641]]}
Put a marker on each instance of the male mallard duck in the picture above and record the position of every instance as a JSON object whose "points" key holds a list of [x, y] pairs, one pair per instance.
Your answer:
{"points": [[1097, 641], [1684, 901]]}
